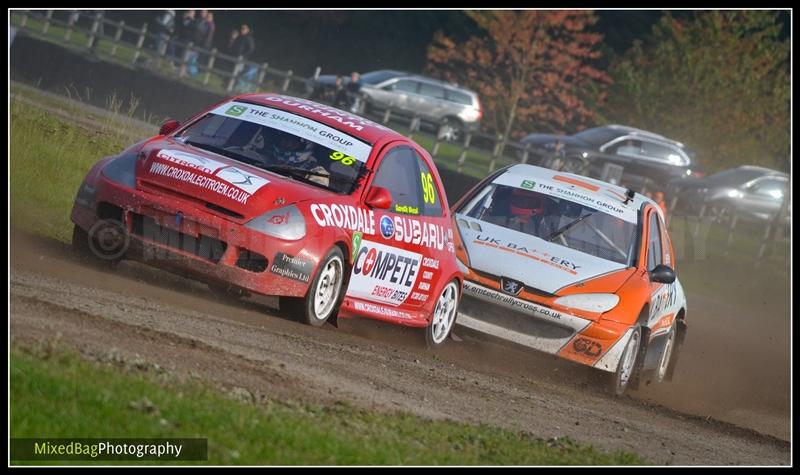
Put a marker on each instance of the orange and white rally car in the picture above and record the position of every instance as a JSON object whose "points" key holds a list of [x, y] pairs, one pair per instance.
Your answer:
{"points": [[571, 266]]}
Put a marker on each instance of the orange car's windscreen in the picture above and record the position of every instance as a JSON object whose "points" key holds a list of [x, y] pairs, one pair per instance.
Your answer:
{"points": [[557, 220]]}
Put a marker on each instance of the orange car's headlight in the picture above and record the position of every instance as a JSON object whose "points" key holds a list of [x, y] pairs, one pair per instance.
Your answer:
{"points": [[597, 303]]}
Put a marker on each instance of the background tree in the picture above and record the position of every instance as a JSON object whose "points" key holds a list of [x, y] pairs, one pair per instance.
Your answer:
{"points": [[532, 69], [718, 82]]}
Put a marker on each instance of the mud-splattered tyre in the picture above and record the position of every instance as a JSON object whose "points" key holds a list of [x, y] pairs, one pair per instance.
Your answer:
{"points": [[621, 379], [666, 355], [324, 294], [444, 316], [680, 335]]}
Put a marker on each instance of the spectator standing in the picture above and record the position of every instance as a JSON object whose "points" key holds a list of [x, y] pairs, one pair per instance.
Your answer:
{"points": [[340, 93], [211, 28], [183, 35], [164, 29], [242, 47], [199, 30], [353, 89]]}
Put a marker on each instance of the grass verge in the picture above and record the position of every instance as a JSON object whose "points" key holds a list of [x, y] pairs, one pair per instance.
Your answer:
{"points": [[56, 393]]}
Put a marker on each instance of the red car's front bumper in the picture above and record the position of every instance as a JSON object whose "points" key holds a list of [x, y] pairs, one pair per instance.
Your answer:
{"points": [[182, 235]]}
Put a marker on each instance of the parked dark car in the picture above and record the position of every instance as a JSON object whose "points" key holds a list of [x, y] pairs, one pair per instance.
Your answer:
{"points": [[621, 155], [754, 193]]}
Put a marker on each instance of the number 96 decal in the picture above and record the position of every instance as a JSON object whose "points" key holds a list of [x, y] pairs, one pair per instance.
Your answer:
{"points": [[428, 193], [342, 158]]}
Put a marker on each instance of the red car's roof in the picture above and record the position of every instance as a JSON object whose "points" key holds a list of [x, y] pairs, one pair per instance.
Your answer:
{"points": [[355, 125]]}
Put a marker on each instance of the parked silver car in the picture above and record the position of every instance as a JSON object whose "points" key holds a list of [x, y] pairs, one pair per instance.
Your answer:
{"points": [[452, 109], [446, 108]]}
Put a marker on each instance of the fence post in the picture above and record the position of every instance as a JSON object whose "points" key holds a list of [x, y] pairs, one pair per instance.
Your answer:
{"points": [[46, 25], [773, 230], [699, 220], [731, 230], [185, 59], [463, 157], [235, 74], [496, 152], [414, 126], [317, 72], [73, 17], [90, 43], [117, 37], [287, 81], [262, 74], [387, 114], [672, 204], [526, 151], [140, 43], [23, 22], [210, 65], [435, 144]]}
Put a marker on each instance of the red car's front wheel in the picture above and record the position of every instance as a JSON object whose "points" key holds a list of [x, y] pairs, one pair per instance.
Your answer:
{"points": [[324, 293]]}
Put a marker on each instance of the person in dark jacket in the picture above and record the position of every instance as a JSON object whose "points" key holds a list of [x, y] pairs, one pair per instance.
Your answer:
{"points": [[242, 47], [183, 35], [353, 89]]}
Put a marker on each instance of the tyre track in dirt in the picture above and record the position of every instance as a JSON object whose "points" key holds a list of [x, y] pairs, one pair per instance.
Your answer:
{"points": [[175, 323]]}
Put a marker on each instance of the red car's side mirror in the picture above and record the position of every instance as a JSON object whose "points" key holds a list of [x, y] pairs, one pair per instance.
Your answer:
{"points": [[379, 197], [168, 127]]}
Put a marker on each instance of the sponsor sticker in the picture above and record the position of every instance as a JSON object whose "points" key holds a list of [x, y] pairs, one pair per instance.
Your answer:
{"points": [[381, 310], [295, 268], [242, 179], [356, 245], [509, 301], [540, 256], [345, 217], [589, 348], [596, 201], [387, 227], [406, 209], [351, 121], [348, 147], [420, 233], [236, 110], [190, 160], [383, 273]]}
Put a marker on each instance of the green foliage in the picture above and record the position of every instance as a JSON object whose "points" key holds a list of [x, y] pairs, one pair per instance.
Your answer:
{"points": [[718, 82]]}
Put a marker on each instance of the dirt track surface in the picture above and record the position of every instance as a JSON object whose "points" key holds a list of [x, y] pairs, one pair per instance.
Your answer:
{"points": [[137, 311]]}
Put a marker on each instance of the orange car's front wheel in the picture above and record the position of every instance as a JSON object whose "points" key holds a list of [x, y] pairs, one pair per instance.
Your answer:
{"points": [[626, 369]]}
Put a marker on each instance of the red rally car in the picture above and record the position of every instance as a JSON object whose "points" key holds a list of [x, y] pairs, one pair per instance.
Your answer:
{"points": [[274, 195]]}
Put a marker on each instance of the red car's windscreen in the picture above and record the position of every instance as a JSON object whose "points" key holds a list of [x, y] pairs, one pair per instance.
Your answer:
{"points": [[281, 142]]}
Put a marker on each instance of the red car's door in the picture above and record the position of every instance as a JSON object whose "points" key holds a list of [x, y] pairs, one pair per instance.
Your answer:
{"points": [[412, 231]]}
